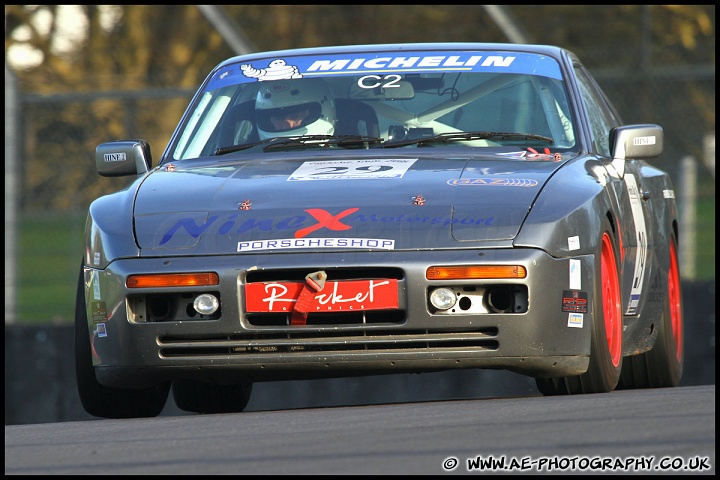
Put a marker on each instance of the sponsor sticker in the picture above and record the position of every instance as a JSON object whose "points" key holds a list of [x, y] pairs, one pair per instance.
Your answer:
{"points": [[377, 65], [96, 286], [575, 320], [286, 243], [642, 244], [101, 330], [575, 275], [115, 157], [493, 182], [573, 243], [99, 312], [334, 297], [651, 140], [634, 302], [574, 301]]}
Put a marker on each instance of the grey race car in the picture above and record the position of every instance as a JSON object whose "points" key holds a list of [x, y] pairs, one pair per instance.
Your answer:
{"points": [[362, 210]]}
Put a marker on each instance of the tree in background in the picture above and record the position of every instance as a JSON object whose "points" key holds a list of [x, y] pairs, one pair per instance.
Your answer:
{"points": [[99, 53]]}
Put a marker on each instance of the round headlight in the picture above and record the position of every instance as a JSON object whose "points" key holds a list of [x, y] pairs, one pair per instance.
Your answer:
{"points": [[206, 304], [443, 298]]}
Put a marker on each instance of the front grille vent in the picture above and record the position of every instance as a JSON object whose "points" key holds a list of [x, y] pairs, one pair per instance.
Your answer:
{"points": [[335, 342]]}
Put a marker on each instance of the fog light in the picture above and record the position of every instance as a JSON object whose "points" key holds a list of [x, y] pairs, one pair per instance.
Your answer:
{"points": [[206, 304], [443, 298]]}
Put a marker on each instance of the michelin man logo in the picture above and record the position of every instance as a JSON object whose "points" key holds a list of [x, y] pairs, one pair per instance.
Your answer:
{"points": [[277, 70]]}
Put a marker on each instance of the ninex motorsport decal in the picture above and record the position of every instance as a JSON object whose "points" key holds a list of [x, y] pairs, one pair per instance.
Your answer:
{"points": [[290, 231]]}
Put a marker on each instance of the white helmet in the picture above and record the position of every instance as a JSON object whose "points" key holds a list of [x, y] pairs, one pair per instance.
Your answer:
{"points": [[295, 107]]}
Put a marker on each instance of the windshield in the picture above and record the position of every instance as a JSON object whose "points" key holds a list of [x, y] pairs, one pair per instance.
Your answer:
{"points": [[375, 100]]}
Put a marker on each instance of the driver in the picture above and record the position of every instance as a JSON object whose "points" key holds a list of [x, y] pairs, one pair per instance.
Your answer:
{"points": [[295, 107]]}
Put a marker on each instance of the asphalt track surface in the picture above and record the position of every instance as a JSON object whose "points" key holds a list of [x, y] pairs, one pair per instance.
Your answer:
{"points": [[653, 431]]}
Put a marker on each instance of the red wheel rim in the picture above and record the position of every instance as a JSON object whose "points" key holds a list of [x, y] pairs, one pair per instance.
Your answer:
{"points": [[610, 289], [675, 305]]}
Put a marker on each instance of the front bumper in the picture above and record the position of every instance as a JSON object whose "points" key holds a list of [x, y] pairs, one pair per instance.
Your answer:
{"points": [[135, 350]]}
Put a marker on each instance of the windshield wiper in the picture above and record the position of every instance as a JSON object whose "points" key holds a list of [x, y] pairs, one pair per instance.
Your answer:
{"points": [[244, 146], [464, 136], [345, 141]]}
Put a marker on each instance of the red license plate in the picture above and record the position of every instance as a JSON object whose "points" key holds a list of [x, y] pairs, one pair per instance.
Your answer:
{"points": [[341, 296]]}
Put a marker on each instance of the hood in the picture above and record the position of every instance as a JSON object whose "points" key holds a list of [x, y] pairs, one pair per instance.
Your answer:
{"points": [[335, 202]]}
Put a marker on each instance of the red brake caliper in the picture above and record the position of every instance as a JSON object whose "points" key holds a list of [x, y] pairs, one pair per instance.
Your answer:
{"points": [[314, 282]]}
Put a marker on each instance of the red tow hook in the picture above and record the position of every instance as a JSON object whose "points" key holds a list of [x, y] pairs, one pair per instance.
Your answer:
{"points": [[314, 282]]}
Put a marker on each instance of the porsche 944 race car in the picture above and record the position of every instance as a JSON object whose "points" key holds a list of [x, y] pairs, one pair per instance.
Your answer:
{"points": [[361, 210]]}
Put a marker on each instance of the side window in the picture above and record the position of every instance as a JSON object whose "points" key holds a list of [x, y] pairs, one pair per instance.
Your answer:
{"points": [[602, 119]]}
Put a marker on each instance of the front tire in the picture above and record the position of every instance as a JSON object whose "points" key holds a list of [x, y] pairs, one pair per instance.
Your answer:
{"points": [[662, 366], [99, 400], [606, 359]]}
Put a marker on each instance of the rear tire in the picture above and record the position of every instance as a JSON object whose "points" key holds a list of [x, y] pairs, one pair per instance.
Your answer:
{"points": [[203, 397], [99, 400], [606, 360], [662, 366]]}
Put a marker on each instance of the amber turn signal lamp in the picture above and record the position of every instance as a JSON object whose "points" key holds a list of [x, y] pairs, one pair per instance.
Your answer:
{"points": [[468, 272], [172, 280]]}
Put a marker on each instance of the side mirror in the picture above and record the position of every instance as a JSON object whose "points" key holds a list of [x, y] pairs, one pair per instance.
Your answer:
{"points": [[635, 142], [123, 157]]}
